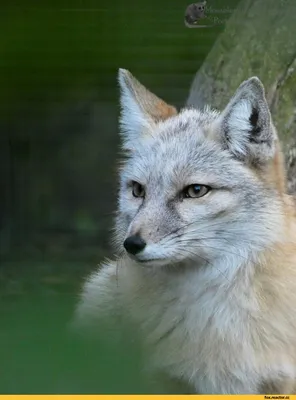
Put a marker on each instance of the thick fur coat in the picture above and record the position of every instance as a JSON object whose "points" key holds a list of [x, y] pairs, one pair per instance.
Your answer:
{"points": [[211, 287]]}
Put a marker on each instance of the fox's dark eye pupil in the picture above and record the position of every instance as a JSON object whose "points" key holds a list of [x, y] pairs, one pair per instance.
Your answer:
{"points": [[196, 188]]}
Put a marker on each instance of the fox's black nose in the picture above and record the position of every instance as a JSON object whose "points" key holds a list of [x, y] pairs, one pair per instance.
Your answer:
{"points": [[134, 244]]}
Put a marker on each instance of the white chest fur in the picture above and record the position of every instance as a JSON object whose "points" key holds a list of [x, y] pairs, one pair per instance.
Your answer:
{"points": [[201, 326], [196, 326]]}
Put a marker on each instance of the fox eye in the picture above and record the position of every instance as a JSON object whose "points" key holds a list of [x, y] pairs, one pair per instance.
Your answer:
{"points": [[195, 191], [138, 189]]}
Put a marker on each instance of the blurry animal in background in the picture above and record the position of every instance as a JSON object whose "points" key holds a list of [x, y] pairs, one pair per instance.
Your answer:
{"points": [[195, 12]]}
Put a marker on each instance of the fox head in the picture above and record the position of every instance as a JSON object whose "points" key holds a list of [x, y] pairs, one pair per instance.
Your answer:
{"points": [[197, 185]]}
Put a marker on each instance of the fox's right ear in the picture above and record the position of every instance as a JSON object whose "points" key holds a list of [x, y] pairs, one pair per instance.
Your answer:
{"points": [[141, 110], [245, 126]]}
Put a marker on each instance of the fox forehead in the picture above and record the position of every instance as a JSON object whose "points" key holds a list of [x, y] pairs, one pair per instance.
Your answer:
{"points": [[189, 118], [188, 122], [181, 150]]}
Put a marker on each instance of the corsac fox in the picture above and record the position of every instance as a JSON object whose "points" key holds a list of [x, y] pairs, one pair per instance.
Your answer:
{"points": [[205, 265]]}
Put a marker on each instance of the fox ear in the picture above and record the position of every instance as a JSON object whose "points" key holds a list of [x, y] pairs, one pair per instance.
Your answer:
{"points": [[140, 109], [245, 126]]}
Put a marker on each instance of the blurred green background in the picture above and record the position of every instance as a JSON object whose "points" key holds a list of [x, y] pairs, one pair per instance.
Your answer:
{"points": [[59, 144]]}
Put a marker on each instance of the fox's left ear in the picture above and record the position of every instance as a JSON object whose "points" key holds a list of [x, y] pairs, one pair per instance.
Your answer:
{"points": [[245, 126], [140, 109]]}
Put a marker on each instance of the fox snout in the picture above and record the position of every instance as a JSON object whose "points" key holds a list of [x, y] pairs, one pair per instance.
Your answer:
{"points": [[134, 244]]}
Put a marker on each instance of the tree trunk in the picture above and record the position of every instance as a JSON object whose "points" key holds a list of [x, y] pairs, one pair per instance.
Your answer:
{"points": [[259, 39]]}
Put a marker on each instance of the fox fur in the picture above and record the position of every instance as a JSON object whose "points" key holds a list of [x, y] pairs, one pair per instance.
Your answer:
{"points": [[213, 292]]}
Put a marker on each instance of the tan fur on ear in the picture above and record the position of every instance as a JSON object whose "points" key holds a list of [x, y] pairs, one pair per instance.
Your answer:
{"points": [[151, 105], [275, 173]]}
